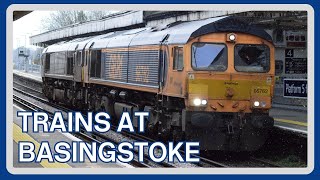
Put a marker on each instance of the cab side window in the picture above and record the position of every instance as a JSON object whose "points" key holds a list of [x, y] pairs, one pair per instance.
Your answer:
{"points": [[178, 58], [47, 63], [79, 58], [95, 66], [70, 63]]}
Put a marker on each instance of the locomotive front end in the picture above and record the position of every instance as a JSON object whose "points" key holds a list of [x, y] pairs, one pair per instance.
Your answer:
{"points": [[230, 88]]}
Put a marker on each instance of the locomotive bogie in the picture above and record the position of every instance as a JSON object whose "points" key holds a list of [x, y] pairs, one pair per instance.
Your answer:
{"points": [[228, 131]]}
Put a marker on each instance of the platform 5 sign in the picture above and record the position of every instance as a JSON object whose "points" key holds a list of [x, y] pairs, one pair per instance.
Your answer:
{"points": [[295, 88]]}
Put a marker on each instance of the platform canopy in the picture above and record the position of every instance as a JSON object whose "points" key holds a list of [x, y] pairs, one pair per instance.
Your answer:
{"points": [[174, 33]]}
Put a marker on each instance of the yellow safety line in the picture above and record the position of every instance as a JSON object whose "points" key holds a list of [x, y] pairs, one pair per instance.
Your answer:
{"points": [[292, 122], [19, 136]]}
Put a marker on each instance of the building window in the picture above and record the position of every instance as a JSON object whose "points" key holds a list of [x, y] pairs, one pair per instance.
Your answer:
{"points": [[291, 38], [178, 59], [278, 35]]}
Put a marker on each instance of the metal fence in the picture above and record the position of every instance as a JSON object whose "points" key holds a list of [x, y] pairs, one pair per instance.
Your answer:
{"points": [[33, 68]]}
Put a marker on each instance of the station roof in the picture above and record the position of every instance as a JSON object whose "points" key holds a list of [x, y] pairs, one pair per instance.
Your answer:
{"points": [[174, 33], [19, 14]]}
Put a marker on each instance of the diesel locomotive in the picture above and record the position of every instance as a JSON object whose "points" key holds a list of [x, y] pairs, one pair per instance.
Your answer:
{"points": [[208, 80]]}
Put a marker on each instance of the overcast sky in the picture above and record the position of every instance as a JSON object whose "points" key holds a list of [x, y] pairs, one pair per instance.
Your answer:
{"points": [[27, 26]]}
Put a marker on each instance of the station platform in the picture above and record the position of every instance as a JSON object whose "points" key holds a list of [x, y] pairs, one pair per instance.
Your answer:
{"points": [[291, 120], [52, 138], [32, 76], [288, 117]]}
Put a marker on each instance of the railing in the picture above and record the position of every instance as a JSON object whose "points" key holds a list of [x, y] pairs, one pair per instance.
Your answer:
{"points": [[33, 68]]}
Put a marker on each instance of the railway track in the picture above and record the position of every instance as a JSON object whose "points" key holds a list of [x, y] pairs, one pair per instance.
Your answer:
{"points": [[92, 138], [27, 87], [42, 100], [25, 104], [204, 162], [265, 162]]}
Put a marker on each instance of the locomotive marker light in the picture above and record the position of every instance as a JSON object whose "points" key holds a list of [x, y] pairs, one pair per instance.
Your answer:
{"points": [[204, 102]]}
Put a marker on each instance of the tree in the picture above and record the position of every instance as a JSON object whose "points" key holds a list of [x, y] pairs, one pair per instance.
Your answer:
{"points": [[59, 19]]}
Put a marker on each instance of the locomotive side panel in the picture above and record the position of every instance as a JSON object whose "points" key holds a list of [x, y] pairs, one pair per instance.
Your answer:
{"points": [[136, 69], [115, 64], [144, 66], [176, 69]]}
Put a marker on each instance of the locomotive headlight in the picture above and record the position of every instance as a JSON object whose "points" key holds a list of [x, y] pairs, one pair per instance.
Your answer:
{"points": [[231, 37], [256, 104], [197, 102], [263, 104], [204, 102]]}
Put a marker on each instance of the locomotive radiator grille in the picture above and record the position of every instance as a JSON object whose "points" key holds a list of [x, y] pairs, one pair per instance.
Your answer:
{"points": [[144, 67], [116, 64]]}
